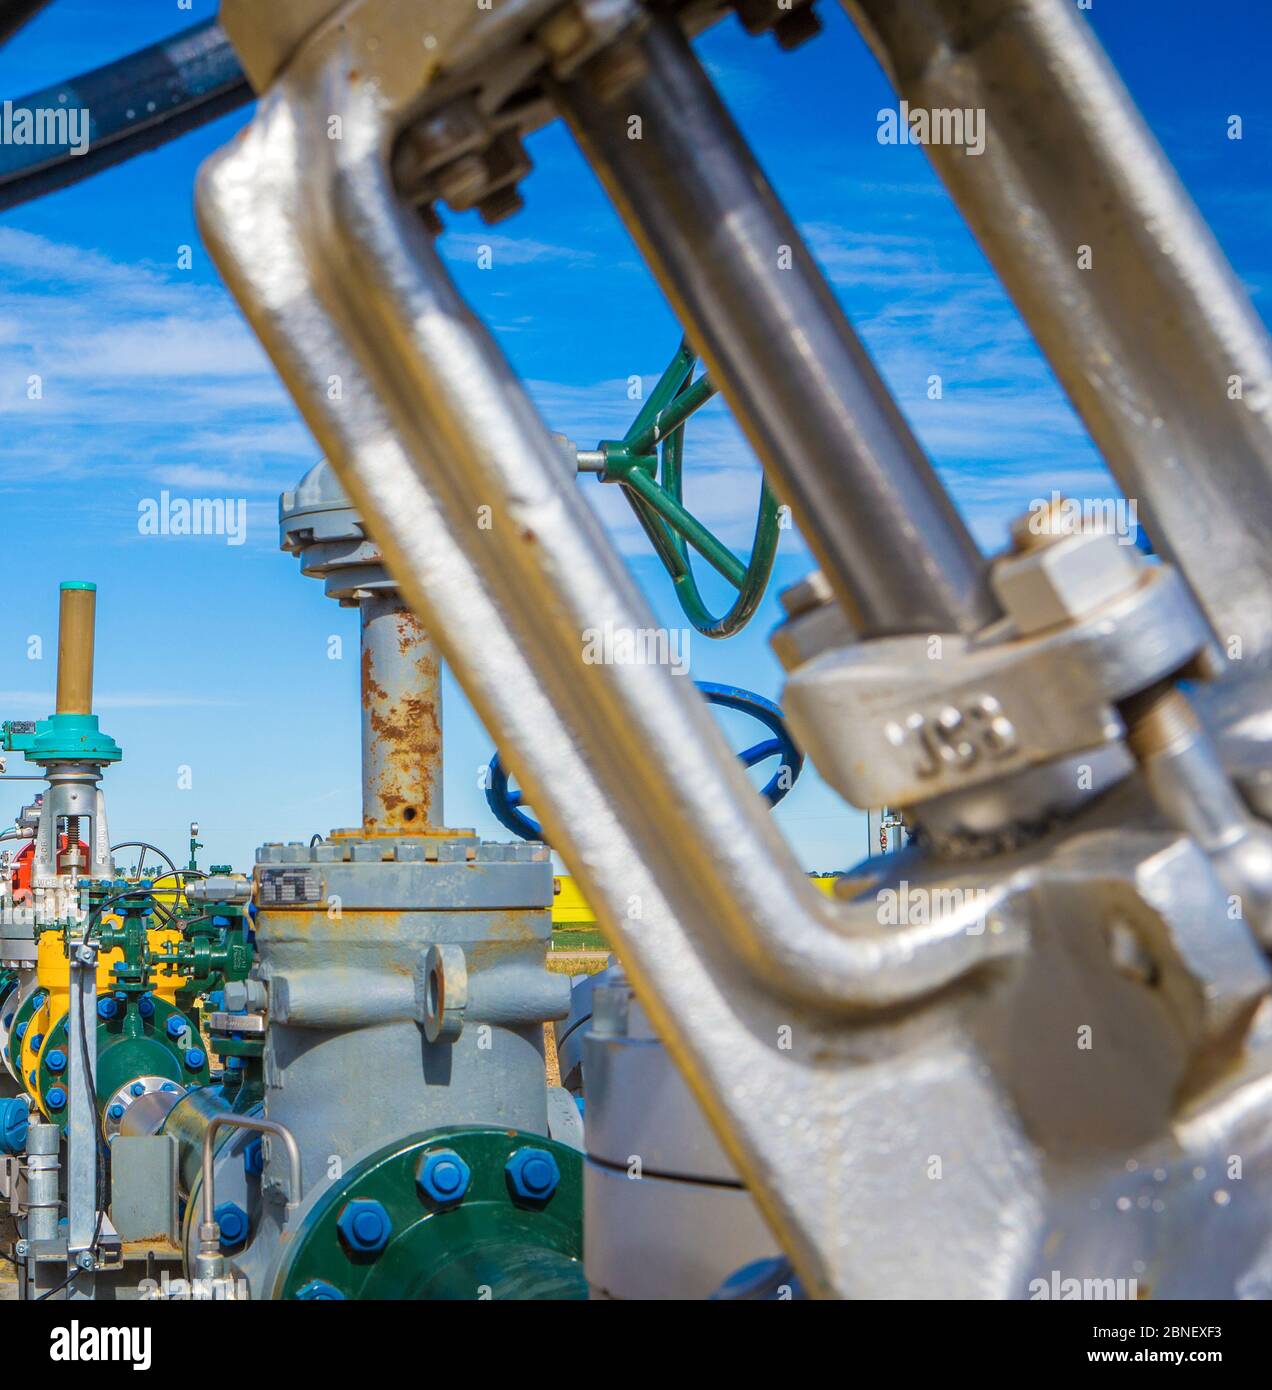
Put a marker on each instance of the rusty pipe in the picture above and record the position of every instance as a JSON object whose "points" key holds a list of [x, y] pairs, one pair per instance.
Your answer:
{"points": [[401, 720]]}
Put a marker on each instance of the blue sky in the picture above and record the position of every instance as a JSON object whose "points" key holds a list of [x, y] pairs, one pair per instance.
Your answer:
{"points": [[215, 657]]}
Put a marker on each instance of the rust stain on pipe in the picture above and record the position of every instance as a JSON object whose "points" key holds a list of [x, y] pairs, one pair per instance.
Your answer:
{"points": [[402, 725]]}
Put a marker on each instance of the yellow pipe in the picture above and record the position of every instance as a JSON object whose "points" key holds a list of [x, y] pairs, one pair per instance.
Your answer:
{"points": [[53, 974], [75, 647]]}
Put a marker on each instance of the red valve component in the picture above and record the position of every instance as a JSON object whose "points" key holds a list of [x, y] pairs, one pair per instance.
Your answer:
{"points": [[20, 873]]}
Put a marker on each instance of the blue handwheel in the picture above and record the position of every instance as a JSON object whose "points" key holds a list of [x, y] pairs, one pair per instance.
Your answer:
{"points": [[505, 803]]}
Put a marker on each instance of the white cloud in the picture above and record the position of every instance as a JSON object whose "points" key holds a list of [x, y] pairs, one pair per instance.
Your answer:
{"points": [[507, 250]]}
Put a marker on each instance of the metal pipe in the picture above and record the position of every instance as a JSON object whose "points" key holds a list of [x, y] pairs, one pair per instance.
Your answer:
{"points": [[75, 647], [83, 1130], [708, 907], [832, 440], [474, 440], [42, 1148], [138, 103], [1116, 274], [230, 1121], [1185, 777], [401, 720]]}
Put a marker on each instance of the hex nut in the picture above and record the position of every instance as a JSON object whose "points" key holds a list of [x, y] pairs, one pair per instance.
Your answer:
{"points": [[232, 1220], [364, 1226], [443, 1177], [1059, 583], [533, 1174]]}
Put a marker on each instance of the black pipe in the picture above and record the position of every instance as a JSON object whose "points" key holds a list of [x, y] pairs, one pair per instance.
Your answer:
{"points": [[134, 105]]}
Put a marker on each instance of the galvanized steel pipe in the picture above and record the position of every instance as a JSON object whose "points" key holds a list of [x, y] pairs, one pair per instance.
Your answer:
{"points": [[1116, 274]]}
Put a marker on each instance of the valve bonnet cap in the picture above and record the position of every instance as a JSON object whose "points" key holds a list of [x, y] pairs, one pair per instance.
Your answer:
{"points": [[14, 1120]]}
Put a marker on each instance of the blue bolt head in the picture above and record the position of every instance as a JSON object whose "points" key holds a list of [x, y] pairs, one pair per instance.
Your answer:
{"points": [[116, 1111], [39, 1000], [20, 1031], [533, 1174], [107, 1008], [137, 1089], [443, 1177], [56, 1098], [364, 1226], [169, 1086], [36, 1042], [232, 1220], [318, 1288], [147, 1006], [195, 1058], [175, 1026], [254, 1158], [56, 1060]]}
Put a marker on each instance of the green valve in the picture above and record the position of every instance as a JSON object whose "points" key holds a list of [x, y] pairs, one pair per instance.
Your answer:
{"points": [[655, 444]]}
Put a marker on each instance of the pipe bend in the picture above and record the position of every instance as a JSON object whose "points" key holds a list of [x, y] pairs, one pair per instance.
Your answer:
{"points": [[457, 430], [261, 1126]]}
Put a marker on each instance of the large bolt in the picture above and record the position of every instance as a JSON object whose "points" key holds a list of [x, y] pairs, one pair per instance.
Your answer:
{"points": [[364, 1226], [107, 1008], [533, 1174], [56, 1060], [175, 1026], [254, 1158], [195, 1058], [56, 1098], [232, 1220], [443, 1177]]}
